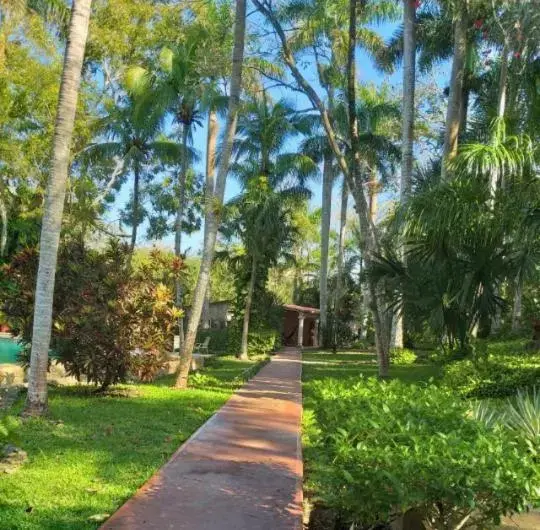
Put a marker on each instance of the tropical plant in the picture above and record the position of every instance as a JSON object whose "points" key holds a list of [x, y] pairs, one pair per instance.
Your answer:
{"points": [[214, 197]]}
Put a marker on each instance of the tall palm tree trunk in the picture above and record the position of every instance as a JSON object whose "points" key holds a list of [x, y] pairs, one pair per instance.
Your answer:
{"points": [[341, 251], [181, 190], [407, 129], [366, 225], [325, 238], [243, 354], [36, 402], [214, 202], [136, 206], [455, 95], [211, 143]]}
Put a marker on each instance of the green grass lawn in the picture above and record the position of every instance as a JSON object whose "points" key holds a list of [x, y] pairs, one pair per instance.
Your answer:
{"points": [[92, 453], [323, 365]]}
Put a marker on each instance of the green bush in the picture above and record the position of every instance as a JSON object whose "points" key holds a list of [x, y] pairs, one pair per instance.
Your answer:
{"points": [[500, 373], [219, 340], [260, 341], [379, 449], [402, 356]]}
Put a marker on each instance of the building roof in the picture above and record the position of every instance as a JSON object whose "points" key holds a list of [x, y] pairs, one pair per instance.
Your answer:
{"points": [[301, 309]]}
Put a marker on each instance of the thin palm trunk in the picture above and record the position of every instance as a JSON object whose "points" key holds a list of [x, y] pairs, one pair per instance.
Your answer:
{"points": [[211, 142], [247, 311], [516, 310], [4, 232], [407, 131], [181, 190], [36, 402], [136, 206], [214, 201], [341, 251], [325, 238], [503, 79], [366, 225], [453, 118]]}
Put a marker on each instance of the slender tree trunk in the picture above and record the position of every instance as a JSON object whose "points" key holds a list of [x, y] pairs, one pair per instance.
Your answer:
{"points": [[503, 80], [36, 402], [211, 142], [366, 225], [136, 207], [4, 232], [341, 250], [214, 202], [407, 129], [451, 133], [516, 310], [464, 110], [325, 238], [181, 190], [243, 354]]}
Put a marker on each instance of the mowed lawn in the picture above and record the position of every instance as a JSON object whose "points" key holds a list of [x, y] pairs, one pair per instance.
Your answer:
{"points": [[92, 452]]}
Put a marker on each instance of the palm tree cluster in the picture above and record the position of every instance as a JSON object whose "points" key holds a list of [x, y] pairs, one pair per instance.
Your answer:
{"points": [[447, 240]]}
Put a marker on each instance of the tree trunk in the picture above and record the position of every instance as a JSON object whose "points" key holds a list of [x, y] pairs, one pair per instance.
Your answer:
{"points": [[247, 312], [409, 82], [456, 92], [503, 77], [4, 232], [211, 142], [366, 225], [407, 131], [36, 402], [516, 310], [214, 201], [136, 206], [325, 237], [341, 250], [178, 227]]}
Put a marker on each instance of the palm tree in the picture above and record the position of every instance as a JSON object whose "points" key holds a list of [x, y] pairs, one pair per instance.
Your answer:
{"points": [[133, 140], [264, 129], [36, 402], [213, 202]]}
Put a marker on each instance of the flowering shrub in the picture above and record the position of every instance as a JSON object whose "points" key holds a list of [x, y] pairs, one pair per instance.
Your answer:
{"points": [[108, 320]]}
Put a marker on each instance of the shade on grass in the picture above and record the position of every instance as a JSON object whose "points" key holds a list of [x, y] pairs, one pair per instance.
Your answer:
{"points": [[92, 453], [322, 365]]}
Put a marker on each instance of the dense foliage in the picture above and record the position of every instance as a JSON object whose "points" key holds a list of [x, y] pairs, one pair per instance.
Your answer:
{"points": [[108, 320], [380, 450]]}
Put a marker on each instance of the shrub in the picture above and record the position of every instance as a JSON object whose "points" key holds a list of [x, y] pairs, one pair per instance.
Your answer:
{"points": [[260, 341], [219, 339], [499, 374], [381, 449], [402, 356], [103, 312]]}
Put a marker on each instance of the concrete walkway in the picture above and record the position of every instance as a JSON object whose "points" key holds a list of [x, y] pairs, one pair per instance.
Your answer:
{"points": [[242, 470]]}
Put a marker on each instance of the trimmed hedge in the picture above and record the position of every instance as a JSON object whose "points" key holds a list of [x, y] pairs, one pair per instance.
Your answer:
{"points": [[260, 342]]}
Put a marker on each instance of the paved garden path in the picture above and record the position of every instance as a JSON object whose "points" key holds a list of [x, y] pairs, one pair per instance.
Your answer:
{"points": [[242, 470]]}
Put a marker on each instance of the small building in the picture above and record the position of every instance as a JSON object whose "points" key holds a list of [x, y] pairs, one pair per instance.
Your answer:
{"points": [[300, 326]]}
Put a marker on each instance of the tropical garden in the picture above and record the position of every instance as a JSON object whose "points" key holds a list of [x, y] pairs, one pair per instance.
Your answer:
{"points": [[376, 160]]}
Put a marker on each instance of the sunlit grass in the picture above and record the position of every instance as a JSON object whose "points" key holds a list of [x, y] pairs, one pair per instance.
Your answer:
{"points": [[92, 452]]}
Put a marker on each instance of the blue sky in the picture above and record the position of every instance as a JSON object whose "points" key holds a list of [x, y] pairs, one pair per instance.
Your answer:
{"points": [[366, 74]]}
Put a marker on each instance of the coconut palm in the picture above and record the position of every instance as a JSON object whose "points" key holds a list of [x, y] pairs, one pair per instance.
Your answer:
{"points": [[36, 402]]}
